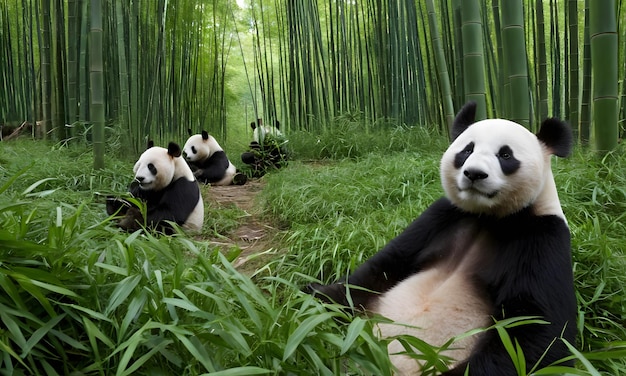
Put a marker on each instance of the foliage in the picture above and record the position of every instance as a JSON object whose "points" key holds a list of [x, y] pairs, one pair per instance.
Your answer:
{"points": [[80, 296]]}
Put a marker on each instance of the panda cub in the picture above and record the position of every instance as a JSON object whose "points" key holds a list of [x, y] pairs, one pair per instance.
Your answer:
{"points": [[496, 247], [171, 193], [210, 162], [267, 149]]}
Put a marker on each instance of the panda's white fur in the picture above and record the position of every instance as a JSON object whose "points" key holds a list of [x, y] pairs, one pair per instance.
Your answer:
{"points": [[169, 168], [199, 150], [497, 246]]}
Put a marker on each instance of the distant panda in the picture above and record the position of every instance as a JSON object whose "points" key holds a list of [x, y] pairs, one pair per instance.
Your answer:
{"points": [[171, 193], [267, 149], [210, 162], [497, 247]]}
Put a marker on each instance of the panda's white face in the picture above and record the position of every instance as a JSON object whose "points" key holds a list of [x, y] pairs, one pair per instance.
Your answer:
{"points": [[196, 148], [155, 169], [495, 167]]}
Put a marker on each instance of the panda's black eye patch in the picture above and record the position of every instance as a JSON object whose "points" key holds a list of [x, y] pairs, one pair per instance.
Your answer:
{"points": [[193, 149], [461, 157], [508, 163], [152, 169]]}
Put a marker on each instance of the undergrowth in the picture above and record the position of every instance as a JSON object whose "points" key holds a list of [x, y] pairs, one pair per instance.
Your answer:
{"points": [[81, 297]]}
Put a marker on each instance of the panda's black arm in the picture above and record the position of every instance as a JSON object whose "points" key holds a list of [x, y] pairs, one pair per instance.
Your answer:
{"points": [[175, 204], [547, 293], [396, 261], [214, 167]]}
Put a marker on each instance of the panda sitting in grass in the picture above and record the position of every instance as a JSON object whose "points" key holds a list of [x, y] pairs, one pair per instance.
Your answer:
{"points": [[496, 247], [209, 161], [267, 150], [167, 187]]}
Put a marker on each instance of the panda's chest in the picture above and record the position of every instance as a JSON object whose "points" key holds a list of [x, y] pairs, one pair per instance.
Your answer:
{"points": [[446, 297]]}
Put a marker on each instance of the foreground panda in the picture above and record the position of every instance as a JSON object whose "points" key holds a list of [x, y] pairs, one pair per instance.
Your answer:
{"points": [[210, 162], [496, 247], [171, 193], [267, 149]]}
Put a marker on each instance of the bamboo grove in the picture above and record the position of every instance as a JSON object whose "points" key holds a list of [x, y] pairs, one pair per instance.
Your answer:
{"points": [[153, 69]]}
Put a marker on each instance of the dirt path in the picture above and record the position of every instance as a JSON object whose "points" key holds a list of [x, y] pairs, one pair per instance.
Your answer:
{"points": [[253, 236]]}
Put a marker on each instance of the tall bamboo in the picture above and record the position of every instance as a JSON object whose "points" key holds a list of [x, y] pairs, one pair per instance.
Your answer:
{"points": [[573, 74], [515, 61], [603, 37], [541, 63], [46, 68], [473, 60], [96, 83], [442, 66], [585, 105], [73, 48]]}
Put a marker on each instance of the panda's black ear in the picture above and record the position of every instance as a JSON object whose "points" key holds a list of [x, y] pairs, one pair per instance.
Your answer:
{"points": [[149, 144], [252, 125], [205, 135], [174, 150], [189, 131], [464, 118], [557, 136]]}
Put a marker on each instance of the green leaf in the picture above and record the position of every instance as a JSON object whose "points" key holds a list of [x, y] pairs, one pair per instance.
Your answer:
{"points": [[303, 330], [354, 331], [240, 371], [123, 289]]}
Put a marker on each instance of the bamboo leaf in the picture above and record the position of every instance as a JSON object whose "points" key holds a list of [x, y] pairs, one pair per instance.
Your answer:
{"points": [[302, 331]]}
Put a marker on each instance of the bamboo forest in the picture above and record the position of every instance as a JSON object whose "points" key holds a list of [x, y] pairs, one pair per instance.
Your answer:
{"points": [[359, 98]]}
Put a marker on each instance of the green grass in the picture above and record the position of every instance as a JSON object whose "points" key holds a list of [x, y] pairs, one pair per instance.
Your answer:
{"points": [[80, 296]]}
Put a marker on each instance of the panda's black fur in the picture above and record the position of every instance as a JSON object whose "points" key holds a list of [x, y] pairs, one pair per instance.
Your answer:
{"points": [[166, 185], [467, 262]]}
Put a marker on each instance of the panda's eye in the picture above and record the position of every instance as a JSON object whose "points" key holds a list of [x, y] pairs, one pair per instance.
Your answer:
{"points": [[469, 149], [193, 149], [505, 153], [152, 169]]}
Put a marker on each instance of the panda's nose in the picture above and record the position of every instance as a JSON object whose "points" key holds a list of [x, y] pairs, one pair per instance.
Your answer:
{"points": [[139, 179], [473, 174]]}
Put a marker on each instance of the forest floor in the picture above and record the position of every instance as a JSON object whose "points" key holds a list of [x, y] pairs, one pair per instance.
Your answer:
{"points": [[254, 235]]}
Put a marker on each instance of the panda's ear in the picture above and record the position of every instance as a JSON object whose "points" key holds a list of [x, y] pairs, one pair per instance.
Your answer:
{"points": [[189, 131], [149, 144], [174, 150], [464, 118], [557, 136], [252, 125], [205, 135]]}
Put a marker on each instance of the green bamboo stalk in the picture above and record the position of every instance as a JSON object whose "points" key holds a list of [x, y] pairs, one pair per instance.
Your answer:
{"points": [[515, 60], [96, 82], [60, 67], [574, 75], [46, 69], [585, 105], [83, 64], [556, 53], [541, 65], [603, 37], [442, 66], [473, 60], [124, 118], [73, 48]]}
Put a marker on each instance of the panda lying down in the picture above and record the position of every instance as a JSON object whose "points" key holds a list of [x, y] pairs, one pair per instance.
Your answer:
{"points": [[496, 247]]}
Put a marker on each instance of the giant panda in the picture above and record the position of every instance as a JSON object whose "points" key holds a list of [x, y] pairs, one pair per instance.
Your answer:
{"points": [[210, 162], [496, 247], [170, 191], [267, 150]]}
